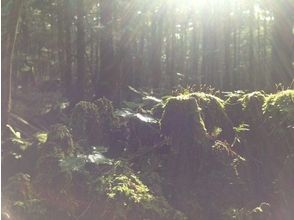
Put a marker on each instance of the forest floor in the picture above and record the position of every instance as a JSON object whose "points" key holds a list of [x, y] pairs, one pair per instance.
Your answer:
{"points": [[190, 155]]}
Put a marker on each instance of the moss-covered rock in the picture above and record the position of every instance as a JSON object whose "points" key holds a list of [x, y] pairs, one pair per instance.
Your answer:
{"points": [[93, 121], [196, 163], [270, 136], [252, 108], [60, 139], [181, 119], [182, 123], [279, 108], [279, 125], [233, 107], [143, 132], [214, 115], [105, 112], [85, 121], [129, 198]]}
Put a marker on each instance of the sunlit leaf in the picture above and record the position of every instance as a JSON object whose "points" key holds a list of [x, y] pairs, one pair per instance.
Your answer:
{"points": [[41, 137]]}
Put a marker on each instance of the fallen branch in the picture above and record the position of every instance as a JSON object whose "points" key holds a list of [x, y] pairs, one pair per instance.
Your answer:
{"points": [[23, 125]]}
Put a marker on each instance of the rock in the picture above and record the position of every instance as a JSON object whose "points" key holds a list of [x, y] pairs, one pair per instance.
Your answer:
{"points": [[215, 118], [181, 119]]}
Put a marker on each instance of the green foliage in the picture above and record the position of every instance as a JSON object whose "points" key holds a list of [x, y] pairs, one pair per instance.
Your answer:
{"points": [[241, 128], [127, 186], [132, 198], [19, 199], [259, 213], [41, 137]]}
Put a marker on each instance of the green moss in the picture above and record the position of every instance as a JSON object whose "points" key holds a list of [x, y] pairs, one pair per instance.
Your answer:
{"points": [[132, 199], [245, 108], [207, 99], [128, 186]]}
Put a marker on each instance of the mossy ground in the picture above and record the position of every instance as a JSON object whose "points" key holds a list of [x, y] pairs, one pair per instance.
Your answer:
{"points": [[200, 157]]}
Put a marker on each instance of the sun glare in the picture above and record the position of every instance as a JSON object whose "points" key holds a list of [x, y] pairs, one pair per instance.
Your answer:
{"points": [[216, 6]]}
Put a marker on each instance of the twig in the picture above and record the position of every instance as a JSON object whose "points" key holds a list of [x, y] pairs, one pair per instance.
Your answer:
{"points": [[26, 123]]}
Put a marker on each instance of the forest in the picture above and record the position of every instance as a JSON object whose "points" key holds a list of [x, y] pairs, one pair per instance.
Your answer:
{"points": [[147, 110]]}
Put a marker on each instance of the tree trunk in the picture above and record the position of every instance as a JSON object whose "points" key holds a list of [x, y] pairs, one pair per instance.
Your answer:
{"points": [[194, 72], [67, 75], [209, 48], [156, 44], [8, 42], [251, 69], [61, 40], [124, 54], [227, 80], [106, 85], [81, 50]]}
